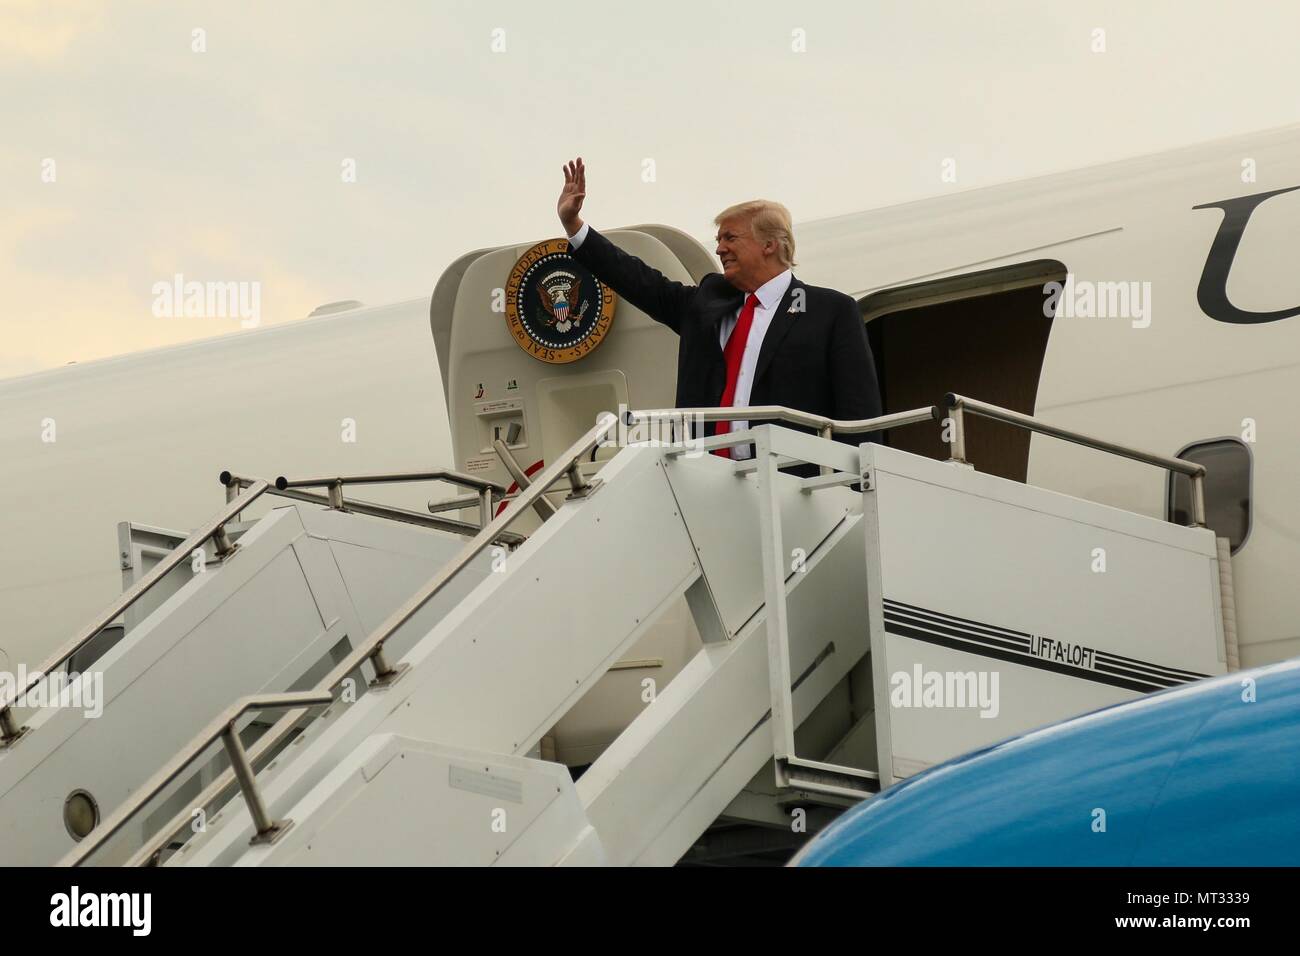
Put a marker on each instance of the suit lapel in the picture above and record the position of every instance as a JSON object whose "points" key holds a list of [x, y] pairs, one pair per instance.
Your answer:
{"points": [[725, 305], [777, 329]]}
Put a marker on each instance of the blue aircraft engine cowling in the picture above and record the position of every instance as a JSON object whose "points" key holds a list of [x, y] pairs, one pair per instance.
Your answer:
{"points": [[1207, 774]]}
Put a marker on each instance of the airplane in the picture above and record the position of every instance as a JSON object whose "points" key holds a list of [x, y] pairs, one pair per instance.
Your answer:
{"points": [[1199, 775], [1146, 302]]}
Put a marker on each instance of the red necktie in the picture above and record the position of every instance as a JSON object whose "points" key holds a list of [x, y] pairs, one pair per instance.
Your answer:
{"points": [[733, 353]]}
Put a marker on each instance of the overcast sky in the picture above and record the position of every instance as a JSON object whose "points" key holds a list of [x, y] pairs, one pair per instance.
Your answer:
{"points": [[136, 148]]}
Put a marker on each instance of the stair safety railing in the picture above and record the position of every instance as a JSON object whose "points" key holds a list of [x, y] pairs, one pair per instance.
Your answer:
{"points": [[486, 493], [960, 404], [242, 491], [213, 529], [226, 727], [955, 436]]}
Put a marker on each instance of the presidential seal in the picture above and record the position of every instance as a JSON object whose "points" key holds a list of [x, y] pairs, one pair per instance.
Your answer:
{"points": [[556, 310]]}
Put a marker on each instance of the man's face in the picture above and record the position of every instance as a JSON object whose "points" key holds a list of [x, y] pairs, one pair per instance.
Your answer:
{"points": [[741, 255]]}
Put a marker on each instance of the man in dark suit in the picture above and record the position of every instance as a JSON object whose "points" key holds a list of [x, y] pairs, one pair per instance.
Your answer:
{"points": [[752, 334]]}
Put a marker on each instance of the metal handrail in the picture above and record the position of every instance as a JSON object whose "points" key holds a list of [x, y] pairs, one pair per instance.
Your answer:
{"points": [[371, 649], [487, 489], [392, 512], [543, 507], [768, 413], [214, 527], [826, 427], [223, 726], [959, 404], [464, 501], [451, 477]]}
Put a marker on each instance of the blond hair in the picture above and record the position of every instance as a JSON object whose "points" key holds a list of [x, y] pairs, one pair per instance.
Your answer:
{"points": [[767, 220]]}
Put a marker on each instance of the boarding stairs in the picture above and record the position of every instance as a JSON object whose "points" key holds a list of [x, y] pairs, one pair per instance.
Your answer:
{"points": [[342, 682]]}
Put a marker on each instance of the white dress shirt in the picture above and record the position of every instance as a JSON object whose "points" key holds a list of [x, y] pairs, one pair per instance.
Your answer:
{"points": [[575, 240], [770, 294]]}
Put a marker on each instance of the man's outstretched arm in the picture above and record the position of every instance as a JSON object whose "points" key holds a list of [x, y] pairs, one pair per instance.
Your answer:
{"points": [[664, 300]]}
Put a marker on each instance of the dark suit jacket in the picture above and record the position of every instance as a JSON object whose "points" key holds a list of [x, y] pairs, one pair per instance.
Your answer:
{"points": [[817, 360]]}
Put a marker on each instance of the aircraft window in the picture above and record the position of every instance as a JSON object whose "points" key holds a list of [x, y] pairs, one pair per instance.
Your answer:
{"points": [[1227, 489]]}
